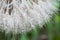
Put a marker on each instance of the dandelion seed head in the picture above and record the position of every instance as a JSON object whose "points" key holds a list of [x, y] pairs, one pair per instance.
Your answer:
{"points": [[23, 15]]}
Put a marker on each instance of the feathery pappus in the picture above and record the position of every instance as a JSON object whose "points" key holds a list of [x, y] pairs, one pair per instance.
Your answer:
{"points": [[23, 15]]}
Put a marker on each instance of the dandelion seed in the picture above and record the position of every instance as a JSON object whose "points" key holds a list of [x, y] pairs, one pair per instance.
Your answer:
{"points": [[23, 15]]}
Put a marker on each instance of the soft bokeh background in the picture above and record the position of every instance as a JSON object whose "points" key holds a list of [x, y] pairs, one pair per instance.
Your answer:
{"points": [[50, 31]]}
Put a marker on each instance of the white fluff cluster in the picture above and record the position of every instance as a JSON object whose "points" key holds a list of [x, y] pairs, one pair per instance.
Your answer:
{"points": [[23, 15]]}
